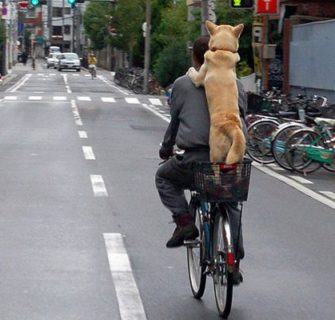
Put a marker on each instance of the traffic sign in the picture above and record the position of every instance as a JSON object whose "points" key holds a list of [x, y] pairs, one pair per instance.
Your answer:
{"points": [[267, 7]]}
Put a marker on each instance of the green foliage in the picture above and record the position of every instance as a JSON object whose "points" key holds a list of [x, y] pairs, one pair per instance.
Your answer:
{"points": [[172, 62], [243, 69], [96, 21]]}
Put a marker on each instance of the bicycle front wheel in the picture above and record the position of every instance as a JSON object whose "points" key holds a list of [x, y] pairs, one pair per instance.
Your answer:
{"points": [[259, 140], [222, 278], [195, 257]]}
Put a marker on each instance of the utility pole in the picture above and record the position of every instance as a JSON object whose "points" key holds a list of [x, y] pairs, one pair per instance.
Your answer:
{"points": [[63, 43], [50, 20], [204, 16], [147, 46]]}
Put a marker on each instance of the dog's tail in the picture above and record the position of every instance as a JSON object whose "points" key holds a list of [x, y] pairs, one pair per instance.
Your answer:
{"points": [[238, 146]]}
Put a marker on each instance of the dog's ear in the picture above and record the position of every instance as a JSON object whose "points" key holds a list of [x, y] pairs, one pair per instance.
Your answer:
{"points": [[238, 30], [210, 26]]}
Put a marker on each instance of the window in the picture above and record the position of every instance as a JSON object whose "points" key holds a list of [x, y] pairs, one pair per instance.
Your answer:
{"points": [[57, 12], [67, 10], [67, 29], [57, 30]]}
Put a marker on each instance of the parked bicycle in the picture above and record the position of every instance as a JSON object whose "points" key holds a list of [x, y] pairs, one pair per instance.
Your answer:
{"points": [[213, 253]]}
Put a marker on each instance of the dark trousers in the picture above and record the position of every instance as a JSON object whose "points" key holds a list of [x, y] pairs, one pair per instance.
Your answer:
{"points": [[175, 175]]}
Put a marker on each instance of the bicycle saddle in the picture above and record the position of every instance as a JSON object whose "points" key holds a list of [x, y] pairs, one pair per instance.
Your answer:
{"points": [[326, 121]]}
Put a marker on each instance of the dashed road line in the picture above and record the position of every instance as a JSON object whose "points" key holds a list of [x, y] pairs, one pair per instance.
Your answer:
{"points": [[132, 100], [59, 98], [155, 101], [34, 98], [107, 99], [329, 194], [76, 113], [98, 186], [88, 153], [127, 293], [66, 83], [10, 98], [82, 134], [84, 99]]}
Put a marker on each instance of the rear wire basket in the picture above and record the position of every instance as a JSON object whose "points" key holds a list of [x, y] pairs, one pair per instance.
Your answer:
{"points": [[218, 182]]}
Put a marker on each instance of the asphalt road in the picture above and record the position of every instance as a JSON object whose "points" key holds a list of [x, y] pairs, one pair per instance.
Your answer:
{"points": [[83, 232]]}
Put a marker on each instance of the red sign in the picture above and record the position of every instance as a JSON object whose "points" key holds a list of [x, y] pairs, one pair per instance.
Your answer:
{"points": [[24, 4], [267, 7]]}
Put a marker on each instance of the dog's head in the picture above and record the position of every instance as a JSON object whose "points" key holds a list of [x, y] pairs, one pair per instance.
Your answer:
{"points": [[224, 37]]}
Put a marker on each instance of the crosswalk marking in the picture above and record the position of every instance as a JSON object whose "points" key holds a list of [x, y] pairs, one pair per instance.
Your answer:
{"points": [[10, 98], [82, 134], [59, 98], [34, 98], [155, 101], [107, 99], [132, 100], [84, 99], [329, 194]]}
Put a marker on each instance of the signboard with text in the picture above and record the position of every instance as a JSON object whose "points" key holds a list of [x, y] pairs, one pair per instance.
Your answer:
{"points": [[267, 7]]}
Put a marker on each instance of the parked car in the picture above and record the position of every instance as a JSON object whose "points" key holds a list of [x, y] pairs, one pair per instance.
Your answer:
{"points": [[68, 60], [54, 49], [52, 59]]}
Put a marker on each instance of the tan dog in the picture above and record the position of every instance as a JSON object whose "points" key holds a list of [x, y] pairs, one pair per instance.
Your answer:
{"points": [[217, 74]]}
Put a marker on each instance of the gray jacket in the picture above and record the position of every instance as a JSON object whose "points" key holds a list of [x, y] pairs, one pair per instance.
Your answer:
{"points": [[189, 125]]}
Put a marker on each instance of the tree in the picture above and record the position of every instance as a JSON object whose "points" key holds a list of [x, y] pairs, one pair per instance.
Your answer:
{"points": [[127, 18], [96, 21]]}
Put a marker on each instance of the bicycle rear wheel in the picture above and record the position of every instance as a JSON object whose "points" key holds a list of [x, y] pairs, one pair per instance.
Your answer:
{"points": [[195, 256], [259, 140], [222, 278]]}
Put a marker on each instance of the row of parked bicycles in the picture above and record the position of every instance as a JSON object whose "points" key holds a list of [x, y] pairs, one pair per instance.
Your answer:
{"points": [[296, 133], [133, 79]]}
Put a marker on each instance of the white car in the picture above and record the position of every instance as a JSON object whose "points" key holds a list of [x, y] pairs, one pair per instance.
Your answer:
{"points": [[52, 59], [68, 60]]}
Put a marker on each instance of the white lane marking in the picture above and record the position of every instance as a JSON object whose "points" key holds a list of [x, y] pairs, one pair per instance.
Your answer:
{"points": [[66, 83], [127, 293], [296, 185], [87, 75], [75, 75], [52, 74], [275, 167], [59, 98], [107, 99], [132, 100], [40, 74], [20, 83], [10, 98], [82, 134], [98, 186], [165, 118], [84, 99], [155, 101], [76, 113], [301, 180], [329, 194], [35, 98], [88, 153], [102, 78]]}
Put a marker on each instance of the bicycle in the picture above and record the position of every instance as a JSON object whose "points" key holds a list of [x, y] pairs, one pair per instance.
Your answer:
{"points": [[310, 148], [93, 70], [214, 252]]}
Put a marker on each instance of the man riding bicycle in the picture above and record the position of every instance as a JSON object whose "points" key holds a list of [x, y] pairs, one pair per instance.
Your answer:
{"points": [[92, 62], [189, 130]]}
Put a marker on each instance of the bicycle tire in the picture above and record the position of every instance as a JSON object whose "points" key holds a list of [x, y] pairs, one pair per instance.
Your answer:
{"points": [[329, 167], [259, 140], [197, 277], [305, 165], [222, 278], [278, 145]]}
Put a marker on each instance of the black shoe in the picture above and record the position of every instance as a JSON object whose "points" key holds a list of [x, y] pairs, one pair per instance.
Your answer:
{"points": [[237, 278], [189, 232]]}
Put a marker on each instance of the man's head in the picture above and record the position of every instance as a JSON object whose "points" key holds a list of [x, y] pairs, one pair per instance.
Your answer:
{"points": [[200, 46]]}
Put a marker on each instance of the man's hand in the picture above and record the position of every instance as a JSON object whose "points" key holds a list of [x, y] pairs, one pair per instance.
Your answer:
{"points": [[165, 153]]}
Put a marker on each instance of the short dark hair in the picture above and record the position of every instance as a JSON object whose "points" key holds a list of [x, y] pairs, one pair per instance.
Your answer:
{"points": [[200, 46]]}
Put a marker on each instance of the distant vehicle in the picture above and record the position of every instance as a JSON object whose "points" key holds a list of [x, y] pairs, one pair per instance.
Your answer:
{"points": [[68, 60], [52, 59], [54, 49]]}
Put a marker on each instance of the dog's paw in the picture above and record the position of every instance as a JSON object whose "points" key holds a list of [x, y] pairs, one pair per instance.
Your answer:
{"points": [[191, 73]]}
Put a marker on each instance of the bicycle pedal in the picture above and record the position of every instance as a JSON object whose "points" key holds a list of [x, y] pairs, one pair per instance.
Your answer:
{"points": [[191, 243]]}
